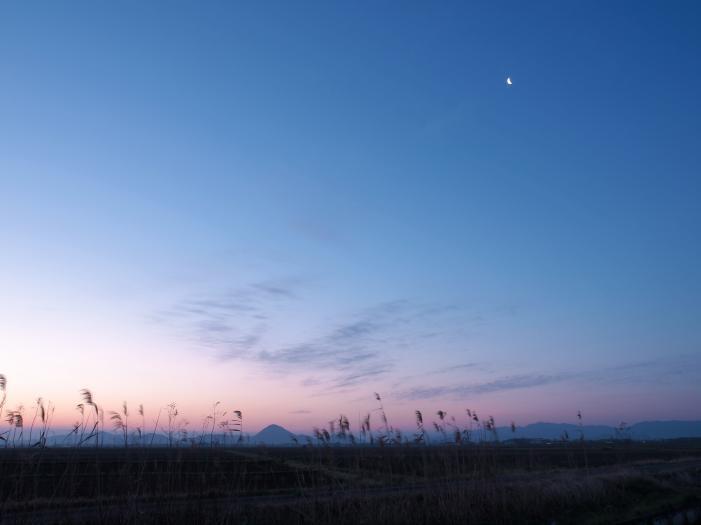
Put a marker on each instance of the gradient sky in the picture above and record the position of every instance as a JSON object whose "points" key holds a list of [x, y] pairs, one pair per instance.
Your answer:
{"points": [[289, 207]]}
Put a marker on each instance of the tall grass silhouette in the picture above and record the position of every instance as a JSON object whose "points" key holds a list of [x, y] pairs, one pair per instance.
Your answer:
{"points": [[134, 468]]}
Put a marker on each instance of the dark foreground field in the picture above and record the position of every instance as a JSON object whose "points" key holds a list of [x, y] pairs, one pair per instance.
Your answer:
{"points": [[560, 483]]}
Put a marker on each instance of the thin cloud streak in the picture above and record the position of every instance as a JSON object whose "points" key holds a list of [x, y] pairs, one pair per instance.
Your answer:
{"points": [[236, 325], [498, 385], [635, 372], [232, 323]]}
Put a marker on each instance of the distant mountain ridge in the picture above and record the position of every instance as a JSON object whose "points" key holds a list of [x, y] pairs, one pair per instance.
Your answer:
{"points": [[276, 435], [273, 435], [666, 429], [643, 430]]}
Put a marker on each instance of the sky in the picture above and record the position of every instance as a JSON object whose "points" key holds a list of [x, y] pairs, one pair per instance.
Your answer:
{"points": [[287, 207]]}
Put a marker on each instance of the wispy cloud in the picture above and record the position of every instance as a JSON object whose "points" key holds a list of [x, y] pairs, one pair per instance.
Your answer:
{"points": [[349, 353], [347, 344], [455, 368], [458, 368], [648, 371], [233, 323], [354, 350], [359, 375], [661, 370], [497, 385]]}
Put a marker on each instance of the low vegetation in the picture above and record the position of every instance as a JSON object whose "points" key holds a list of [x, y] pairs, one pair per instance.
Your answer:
{"points": [[459, 473]]}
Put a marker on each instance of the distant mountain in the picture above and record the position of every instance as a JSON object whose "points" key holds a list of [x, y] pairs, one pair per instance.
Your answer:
{"points": [[274, 435], [107, 439], [557, 431], [640, 431], [665, 429]]}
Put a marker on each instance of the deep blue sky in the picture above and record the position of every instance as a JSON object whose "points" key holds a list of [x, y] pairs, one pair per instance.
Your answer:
{"points": [[344, 197]]}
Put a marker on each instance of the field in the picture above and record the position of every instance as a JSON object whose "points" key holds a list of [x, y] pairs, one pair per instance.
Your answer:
{"points": [[583, 482]]}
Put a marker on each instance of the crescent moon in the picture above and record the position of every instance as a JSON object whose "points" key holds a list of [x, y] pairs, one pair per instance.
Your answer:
{"points": [[508, 81]]}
